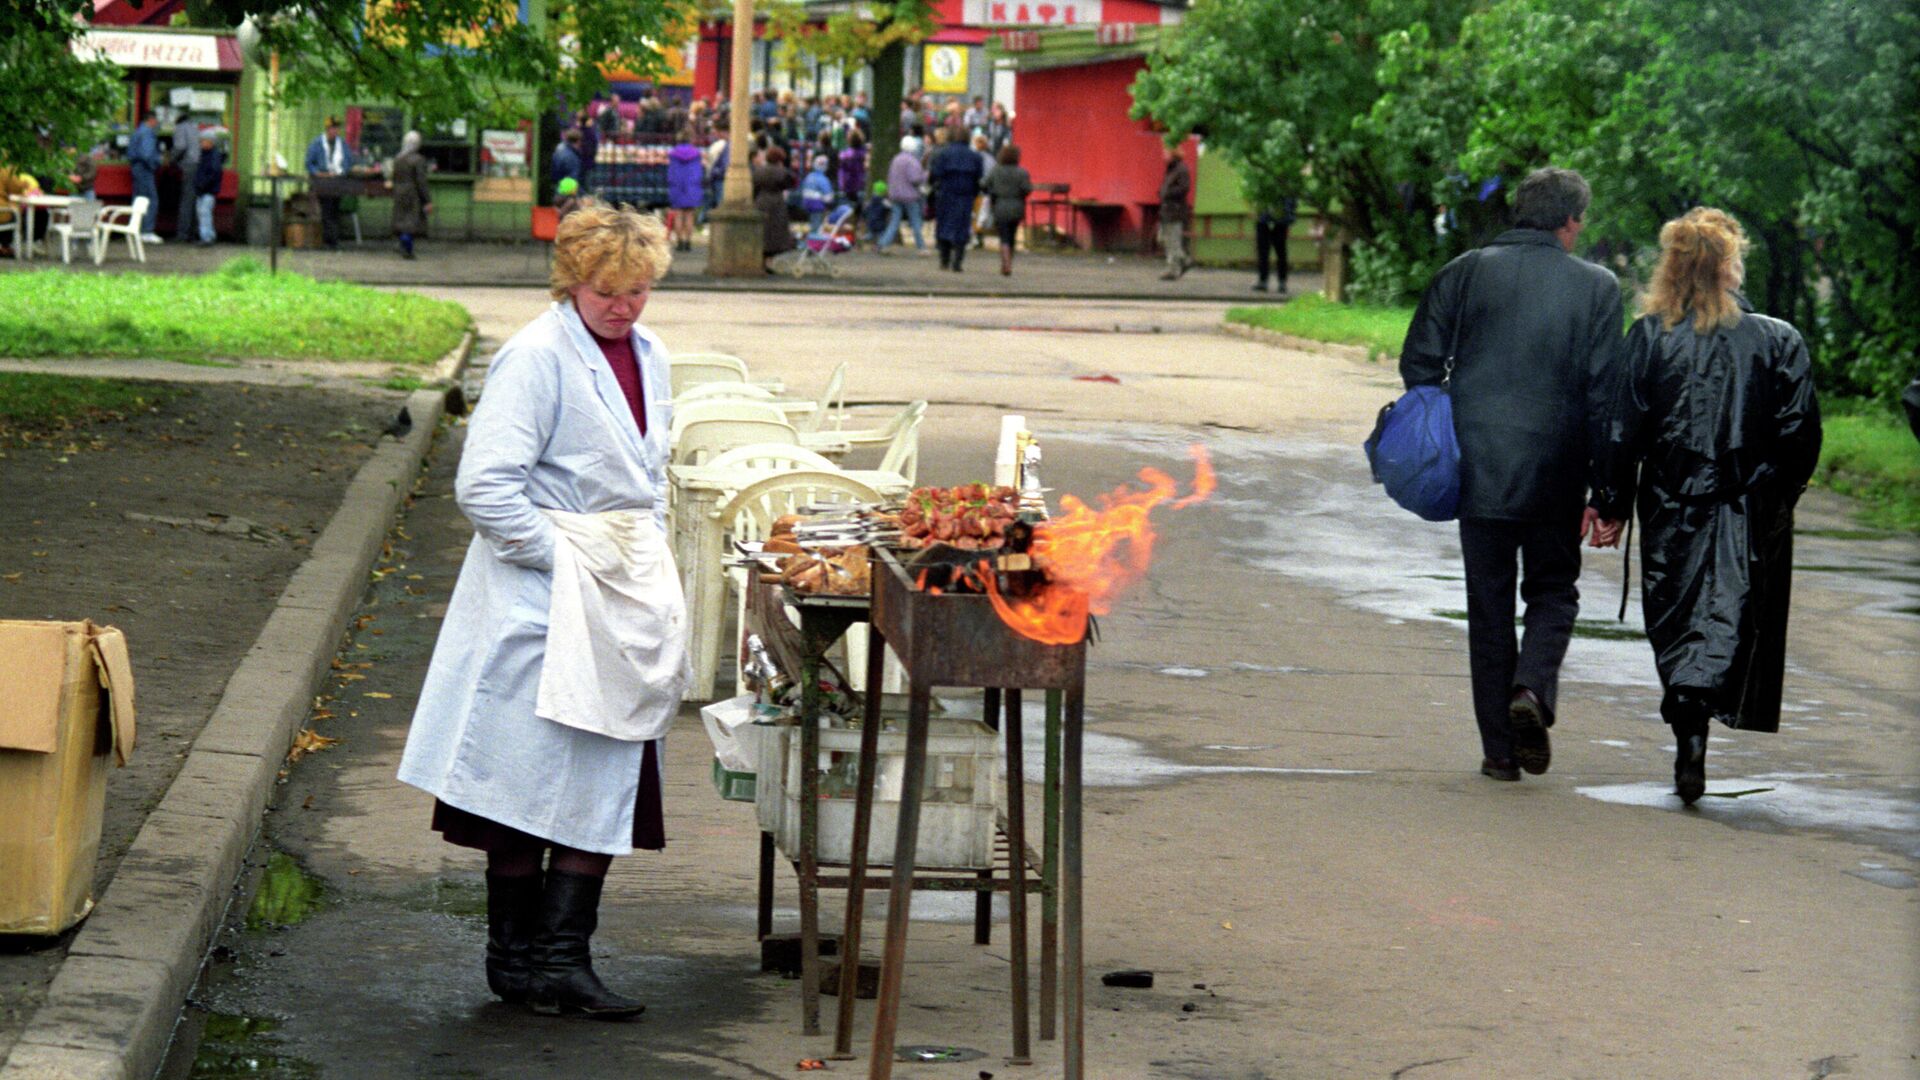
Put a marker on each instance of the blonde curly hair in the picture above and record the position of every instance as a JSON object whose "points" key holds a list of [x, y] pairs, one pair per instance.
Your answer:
{"points": [[608, 248], [1702, 255]]}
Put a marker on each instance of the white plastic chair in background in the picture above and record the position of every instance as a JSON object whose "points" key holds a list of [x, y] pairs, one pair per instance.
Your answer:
{"points": [[833, 400], [120, 221], [687, 372], [700, 441], [900, 436], [78, 224], [770, 457], [749, 515], [725, 409], [713, 391]]}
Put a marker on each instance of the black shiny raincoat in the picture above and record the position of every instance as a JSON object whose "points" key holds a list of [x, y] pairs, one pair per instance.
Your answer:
{"points": [[1725, 431]]}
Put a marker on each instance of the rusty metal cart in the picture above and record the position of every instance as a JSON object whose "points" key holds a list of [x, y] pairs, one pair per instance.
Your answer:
{"points": [[801, 649], [957, 639]]}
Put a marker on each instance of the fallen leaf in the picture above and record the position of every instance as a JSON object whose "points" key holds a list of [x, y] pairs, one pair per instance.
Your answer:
{"points": [[307, 742], [307, 804], [349, 676], [13, 577], [376, 694], [1226, 926], [1103, 377], [811, 1065]]}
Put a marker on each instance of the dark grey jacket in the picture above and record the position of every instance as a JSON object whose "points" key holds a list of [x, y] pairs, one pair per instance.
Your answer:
{"points": [[1537, 376]]}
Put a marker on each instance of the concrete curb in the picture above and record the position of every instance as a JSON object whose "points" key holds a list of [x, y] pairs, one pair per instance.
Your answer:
{"points": [[449, 365], [111, 1010], [1288, 341]]}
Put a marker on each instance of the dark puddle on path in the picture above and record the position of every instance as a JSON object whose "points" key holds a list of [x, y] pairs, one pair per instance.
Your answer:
{"points": [[1583, 628], [236, 1046], [287, 894]]}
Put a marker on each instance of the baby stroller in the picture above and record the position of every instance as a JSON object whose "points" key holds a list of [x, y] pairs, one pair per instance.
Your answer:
{"points": [[814, 256]]}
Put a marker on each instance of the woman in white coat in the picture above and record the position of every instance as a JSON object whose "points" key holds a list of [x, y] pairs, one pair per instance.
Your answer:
{"points": [[562, 657]]}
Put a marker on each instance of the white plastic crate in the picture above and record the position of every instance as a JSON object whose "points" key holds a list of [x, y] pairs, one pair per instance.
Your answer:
{"points": [[964, 787]]}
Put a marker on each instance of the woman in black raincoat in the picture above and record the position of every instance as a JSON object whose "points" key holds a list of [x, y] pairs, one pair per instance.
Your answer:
{"points": [[1720, 416]]}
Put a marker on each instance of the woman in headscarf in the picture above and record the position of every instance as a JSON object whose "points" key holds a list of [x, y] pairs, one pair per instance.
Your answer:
{"points": [[562, 657], [1720, 417], [412, 202], [771, 182]]}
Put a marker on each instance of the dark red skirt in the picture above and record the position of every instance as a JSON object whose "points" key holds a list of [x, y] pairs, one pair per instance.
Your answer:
{"points": [[457, 826]]}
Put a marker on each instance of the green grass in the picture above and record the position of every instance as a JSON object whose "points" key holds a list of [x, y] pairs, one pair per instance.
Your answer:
{"points": [[238, 311], [1381, 330], [34, 405], [1870, 454]]}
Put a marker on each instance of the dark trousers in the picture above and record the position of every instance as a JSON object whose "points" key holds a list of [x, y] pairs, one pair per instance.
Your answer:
{"points": [[1550, 555], [1270, 239], [330, 220]]}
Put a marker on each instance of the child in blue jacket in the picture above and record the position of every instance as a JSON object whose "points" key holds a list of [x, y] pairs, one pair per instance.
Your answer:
{"points": [[816, 194]]}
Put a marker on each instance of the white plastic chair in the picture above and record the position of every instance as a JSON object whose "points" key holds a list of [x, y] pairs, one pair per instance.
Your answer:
{"points": [[700, 441], [687, 372], [712, 391], [726, 409], [749, 515], [79, 224], [900, 436], [120, 221], [770, 457], [833, 400]]}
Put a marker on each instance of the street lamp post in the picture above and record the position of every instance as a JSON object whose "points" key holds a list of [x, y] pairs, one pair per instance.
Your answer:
{"points": [[736, 245]]}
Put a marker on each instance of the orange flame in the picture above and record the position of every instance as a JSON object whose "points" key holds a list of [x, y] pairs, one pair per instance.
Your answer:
{"points": [[1091, 556]]}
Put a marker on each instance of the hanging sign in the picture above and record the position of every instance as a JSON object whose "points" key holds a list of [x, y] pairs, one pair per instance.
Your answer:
{"points": [[130, 48], [946, 69], [1030, 12]]}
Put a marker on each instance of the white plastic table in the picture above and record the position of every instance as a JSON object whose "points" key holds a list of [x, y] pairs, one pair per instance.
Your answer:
{"points": [[39, 200]]}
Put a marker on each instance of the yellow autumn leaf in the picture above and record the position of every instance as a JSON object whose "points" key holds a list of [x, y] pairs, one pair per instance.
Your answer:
{"points": [[375, 694]]}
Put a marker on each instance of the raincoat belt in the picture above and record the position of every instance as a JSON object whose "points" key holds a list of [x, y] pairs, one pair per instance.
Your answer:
{"points": [[616, 655]]}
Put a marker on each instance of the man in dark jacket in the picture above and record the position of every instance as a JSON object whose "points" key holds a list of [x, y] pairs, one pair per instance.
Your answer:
{"points": [[1534, 373], [567, 162], [1175, 186]]}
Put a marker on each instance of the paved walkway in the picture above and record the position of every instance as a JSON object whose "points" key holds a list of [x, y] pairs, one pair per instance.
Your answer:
{"points": [[1040, 274]]}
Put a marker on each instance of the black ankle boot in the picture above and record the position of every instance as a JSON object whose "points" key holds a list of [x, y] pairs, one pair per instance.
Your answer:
{"points": [[513, 910], [562, 981], [1690, 761]]}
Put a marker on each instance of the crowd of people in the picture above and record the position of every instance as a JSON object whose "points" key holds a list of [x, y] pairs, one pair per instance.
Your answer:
{"points": [[812, 158]]}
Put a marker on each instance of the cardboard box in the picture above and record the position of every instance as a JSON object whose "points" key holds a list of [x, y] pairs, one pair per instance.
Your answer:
{"points": [[66, 710]]}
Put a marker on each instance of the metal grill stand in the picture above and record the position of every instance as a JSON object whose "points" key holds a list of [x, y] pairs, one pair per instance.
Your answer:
{"points": [[953, 639]]}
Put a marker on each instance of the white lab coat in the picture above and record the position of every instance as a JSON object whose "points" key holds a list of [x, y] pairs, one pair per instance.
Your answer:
{"points": [[552, 431]]}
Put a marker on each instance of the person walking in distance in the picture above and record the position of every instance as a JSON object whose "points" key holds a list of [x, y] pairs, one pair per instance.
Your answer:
{"points": [[328, 157], [1007, 188], [186, 157], [1175, 186], [143, 159], [1270, 228], [412, 199], [1720, 417], [1534, 380]]}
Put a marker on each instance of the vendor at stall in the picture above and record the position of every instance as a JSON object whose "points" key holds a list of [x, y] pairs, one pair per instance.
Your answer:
{"points": [[562, 658], [328, 156]]}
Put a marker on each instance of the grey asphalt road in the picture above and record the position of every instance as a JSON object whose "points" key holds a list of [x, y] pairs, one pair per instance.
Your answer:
{"points": [[1285, 821]]}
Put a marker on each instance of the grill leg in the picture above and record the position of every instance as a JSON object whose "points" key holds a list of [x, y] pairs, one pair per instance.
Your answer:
{"points": [[1050, 875], [893, 961], [766, 886], [857, 868], [1074, 959], [1017, 879], [809, 847]]}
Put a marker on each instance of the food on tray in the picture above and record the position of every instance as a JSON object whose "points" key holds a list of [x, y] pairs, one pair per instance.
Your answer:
{"points": [[826, 572], [969, 516]]}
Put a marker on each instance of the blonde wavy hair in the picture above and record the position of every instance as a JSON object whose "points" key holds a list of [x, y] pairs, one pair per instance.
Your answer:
{"points": [[610, 249], [1702, 257]]}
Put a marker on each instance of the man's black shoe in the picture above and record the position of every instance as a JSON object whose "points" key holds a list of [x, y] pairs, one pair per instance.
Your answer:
{"points": [[1259, 286], [1527, 715], [1499, 770], [1690, 765]]}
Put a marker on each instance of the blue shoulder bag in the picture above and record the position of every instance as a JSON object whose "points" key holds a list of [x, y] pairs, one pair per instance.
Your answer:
{"points": [[1414, 451]]}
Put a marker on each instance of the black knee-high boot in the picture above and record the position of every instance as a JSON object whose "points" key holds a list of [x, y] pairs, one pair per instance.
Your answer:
{"points": [[562, 979], [513, 910], [1689, 715]]}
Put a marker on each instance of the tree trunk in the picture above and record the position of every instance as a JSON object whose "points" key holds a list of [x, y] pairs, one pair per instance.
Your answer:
{"points": [[889, 75]]}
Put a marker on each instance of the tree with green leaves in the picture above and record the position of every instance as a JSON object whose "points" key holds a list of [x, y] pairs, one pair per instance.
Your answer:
{"points": [[56, 100], [1280, 87], [874, 35], [459, 58], [1795, 116]]}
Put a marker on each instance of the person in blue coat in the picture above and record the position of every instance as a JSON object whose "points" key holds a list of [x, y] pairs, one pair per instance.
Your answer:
{"points": [[143, 154], [567, 162], [954, 174], [573, 425], [329, 157]]}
